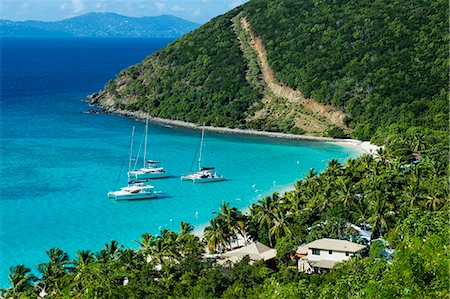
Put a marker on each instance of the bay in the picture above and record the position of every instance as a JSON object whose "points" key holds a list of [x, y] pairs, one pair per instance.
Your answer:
{"points": [[58, 163]]}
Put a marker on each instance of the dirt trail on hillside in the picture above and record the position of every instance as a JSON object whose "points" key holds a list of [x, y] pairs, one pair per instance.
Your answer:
{"points": [[330, 113]]}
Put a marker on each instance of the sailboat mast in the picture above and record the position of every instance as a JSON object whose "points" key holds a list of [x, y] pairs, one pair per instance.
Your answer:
{"points": [[145, 143], [131, 153], [201, 149]]}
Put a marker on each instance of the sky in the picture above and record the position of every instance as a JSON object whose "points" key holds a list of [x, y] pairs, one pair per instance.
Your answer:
{"points": [[199, 11]]}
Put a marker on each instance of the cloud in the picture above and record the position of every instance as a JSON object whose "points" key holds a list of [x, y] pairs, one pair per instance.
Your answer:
{"points": [[25, 5], [160, 6], [77, 6], [177, 8]]}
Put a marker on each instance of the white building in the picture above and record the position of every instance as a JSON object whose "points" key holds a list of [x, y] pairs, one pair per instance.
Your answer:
{"points": [[323, 254]]}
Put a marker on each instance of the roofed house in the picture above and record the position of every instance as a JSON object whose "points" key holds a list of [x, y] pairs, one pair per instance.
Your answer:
{"points": [[322, 255], [256, 251]]}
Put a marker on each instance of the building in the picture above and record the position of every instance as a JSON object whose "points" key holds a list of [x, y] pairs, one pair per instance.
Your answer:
{"points": [[256, 251], [321, 255]]}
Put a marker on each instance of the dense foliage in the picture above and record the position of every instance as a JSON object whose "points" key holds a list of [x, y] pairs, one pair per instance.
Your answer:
{"points": [[198, 78], [405, 203], [382, 62]]}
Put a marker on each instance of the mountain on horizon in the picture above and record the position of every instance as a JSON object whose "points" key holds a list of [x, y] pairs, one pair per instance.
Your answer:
{"points": [[100, 25]]}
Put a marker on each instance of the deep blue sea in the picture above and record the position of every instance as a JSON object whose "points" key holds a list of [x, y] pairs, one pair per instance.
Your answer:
{"points": [[58, 163]]}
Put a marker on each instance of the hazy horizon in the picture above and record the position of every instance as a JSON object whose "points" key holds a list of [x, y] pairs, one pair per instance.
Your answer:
{"points": [[199, 11]]}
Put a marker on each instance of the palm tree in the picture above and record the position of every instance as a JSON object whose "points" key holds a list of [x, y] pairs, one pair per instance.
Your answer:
{"points": [[168, 243], [84, 258], [128, 259], [21, 281], [292, 201], [334, 168], [412, 194], [279, 225], [146, 243], [437, 194], [216, 234], [53, 271], [230, 217], [345, 192], [113, 248], [262, 213], [185, 228], [311, 174], [382, 214], [82, 279]]}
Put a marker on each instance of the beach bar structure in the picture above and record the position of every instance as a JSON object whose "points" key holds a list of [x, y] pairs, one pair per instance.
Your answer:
{"points": [[256, 251]]}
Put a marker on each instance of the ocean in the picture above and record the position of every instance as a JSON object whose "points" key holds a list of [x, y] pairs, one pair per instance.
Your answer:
{"points": [[58, 163]]}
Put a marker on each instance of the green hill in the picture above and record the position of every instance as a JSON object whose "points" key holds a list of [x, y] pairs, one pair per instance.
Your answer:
{"points": [[382, 67]]}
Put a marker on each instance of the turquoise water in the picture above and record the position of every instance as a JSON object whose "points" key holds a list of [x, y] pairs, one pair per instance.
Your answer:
{"points": [[57, 163]]}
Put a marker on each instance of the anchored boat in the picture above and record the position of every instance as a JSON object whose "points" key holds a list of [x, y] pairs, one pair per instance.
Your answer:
{"points": [[134, 190], [204, 174], [151, 169]]}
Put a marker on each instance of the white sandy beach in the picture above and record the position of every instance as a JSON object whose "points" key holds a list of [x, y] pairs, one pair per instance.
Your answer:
{"points": [[363, 147]]}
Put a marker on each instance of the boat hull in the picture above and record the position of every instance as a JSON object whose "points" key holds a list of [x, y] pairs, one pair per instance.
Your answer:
{"points": [[207, 180], [148, 176], [138, 196], [196, 179]]}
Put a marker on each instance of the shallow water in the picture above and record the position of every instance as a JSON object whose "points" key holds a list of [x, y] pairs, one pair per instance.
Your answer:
{"points": [[57, 163]]}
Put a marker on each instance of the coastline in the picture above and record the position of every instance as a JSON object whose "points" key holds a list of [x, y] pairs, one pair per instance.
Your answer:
{"points": [[199, 230], [363, 147]]}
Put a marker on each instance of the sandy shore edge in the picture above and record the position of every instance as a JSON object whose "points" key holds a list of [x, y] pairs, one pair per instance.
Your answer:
{"points": [[363, 147]]}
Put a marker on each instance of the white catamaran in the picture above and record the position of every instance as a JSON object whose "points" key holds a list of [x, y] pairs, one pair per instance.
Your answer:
{"points": [[134, 191], [151, 169], [204, 174]]}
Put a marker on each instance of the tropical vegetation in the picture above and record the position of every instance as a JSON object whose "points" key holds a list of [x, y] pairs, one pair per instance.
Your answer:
{"points": [[404, 202], [384, 64]]}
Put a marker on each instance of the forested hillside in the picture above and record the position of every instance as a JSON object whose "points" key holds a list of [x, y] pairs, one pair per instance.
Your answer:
{"points": [[198, 78], [383, 64]]}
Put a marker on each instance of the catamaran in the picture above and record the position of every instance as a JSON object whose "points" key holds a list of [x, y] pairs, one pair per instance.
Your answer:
{"points": [[204, 174], [134, 191], [151, 169]]}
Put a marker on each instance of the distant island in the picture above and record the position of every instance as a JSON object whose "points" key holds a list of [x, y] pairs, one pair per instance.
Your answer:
{"points": [[100, 25]]}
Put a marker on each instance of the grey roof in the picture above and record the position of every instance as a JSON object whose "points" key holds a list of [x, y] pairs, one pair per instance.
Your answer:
{"points": [[255, 250], [324, 264], [334, 244]]}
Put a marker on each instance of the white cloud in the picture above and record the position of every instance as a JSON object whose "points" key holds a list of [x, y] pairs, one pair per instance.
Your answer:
{"points": [[177, 8], [25, 5], [160, 6], [77, 6]]}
